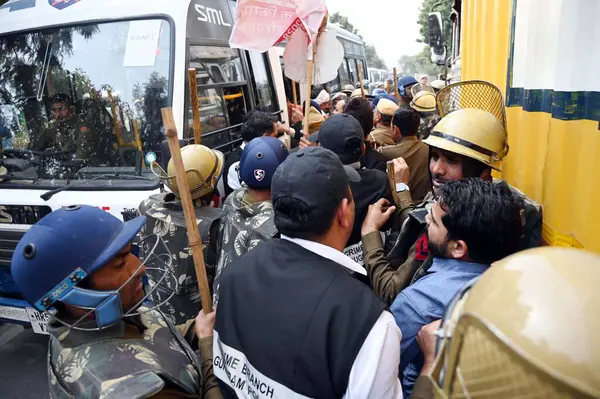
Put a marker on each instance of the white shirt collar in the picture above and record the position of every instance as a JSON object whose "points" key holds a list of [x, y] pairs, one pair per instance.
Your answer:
{"points": [[328, 253], [243, 145]]}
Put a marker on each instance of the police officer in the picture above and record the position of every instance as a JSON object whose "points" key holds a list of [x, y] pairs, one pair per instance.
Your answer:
{"points": [[78, 264], [292, 321], [405, 85], [66, 132], [414, 152], [527, 328], [165, 218], [248, 212], [424, 104], [382, 119], [467, 142]]}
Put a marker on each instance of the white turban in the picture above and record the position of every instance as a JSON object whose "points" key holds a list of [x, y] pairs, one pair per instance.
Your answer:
{"points": [[322, 98]]}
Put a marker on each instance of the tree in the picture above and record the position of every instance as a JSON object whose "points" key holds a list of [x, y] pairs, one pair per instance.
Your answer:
{"points": [[419, 63], [373, 59], [343, 22], [446, 9]]}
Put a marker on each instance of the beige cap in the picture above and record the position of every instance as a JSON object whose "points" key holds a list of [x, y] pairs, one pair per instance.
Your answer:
{"points": [[387, 107], [357, 93]]}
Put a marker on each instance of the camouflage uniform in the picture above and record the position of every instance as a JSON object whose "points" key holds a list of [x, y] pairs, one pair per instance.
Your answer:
{"points": [[71, 135], [427, 124], [165, 218], [141, 357], [409, 259], [244, 225]]}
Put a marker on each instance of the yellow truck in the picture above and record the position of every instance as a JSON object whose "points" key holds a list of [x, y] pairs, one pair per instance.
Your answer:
{"points": [[544, 56]]}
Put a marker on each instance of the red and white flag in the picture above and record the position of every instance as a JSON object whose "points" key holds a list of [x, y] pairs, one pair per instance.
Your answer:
{"points": [[261, 24]]}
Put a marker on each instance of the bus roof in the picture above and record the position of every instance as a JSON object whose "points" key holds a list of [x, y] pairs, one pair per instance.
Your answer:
{"points": [[341, 32], [23, 15]]}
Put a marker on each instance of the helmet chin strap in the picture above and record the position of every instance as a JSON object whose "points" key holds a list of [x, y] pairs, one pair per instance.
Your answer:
{"points": [[106, 306]]}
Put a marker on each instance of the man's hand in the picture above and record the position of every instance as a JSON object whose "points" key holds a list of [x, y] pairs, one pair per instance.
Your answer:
{"points": [[297, 115], [427, 340], [401, 170], [377, 216], [304, 142], [205, 324]]}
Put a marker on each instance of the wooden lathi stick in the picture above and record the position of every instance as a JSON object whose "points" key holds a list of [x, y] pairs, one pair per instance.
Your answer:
{"points": [[396, 90], [360, 80], [392, 181], [197, 126], [188, 209]]}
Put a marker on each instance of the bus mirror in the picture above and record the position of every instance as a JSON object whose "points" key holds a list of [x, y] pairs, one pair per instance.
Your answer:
{"points": [[436, 38]]}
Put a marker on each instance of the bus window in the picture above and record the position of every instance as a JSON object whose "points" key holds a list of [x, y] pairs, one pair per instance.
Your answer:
{"points": [[222, 91], [264, 94], [344, 73], [353, 70]]}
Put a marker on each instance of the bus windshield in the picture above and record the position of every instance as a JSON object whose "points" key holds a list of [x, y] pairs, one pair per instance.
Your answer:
{"points": [[77, 100]]}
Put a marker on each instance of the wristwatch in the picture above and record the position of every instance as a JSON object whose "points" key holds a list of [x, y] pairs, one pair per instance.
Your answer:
{"points": [[400, 187]]}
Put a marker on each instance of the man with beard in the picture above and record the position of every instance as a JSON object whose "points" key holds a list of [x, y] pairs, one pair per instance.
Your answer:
{"points": [[472, 224], [467, 142]]}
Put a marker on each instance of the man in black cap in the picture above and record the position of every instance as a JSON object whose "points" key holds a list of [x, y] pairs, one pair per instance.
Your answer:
{"points": [[343, 135], [292, 321]]}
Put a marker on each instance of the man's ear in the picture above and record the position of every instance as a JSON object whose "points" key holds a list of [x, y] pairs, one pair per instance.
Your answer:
{"points": [[486, 174], [344, 215], [458, 249]]}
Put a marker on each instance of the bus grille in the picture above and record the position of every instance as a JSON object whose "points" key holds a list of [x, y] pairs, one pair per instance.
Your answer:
{"points": [[8, 243]]}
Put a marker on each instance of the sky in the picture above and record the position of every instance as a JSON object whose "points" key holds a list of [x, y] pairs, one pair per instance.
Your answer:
{"points": [[379, 21]]}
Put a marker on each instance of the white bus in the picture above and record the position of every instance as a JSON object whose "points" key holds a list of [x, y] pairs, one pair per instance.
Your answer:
{"points": [[82, 83]]}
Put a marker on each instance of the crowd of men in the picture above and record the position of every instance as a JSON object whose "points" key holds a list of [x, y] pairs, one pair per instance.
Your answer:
{"points": [[328, 281]]}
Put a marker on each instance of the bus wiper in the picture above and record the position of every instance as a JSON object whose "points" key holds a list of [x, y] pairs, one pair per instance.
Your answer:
{"points": [[49, 194]]}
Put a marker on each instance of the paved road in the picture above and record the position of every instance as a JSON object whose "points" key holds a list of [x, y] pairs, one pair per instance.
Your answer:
{"points": [[22, 363]]}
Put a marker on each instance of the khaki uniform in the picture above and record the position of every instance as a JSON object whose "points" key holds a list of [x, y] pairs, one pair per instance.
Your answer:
{"points": [[409, 259], [138, 357], [416, 155], [72, 135], [165, 218], [381, 136]]}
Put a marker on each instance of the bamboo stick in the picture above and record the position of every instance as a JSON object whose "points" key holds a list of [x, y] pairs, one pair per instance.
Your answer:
{"points": [[188, 209], [197, 126]]}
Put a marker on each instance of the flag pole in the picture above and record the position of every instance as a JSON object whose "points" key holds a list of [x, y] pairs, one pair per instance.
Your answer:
{"points": [[309, 79], [294, 95]]}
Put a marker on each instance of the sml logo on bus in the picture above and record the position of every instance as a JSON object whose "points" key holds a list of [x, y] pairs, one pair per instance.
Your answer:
{"points": [[210, 15]]}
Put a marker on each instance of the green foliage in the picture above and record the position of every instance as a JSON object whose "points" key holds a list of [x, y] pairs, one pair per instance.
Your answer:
{"points": [[373, 59], [342, 21], [418, 64]]}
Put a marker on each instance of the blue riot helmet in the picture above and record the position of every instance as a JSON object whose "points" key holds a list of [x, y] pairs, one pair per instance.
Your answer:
{"points": [[380, 97], [259, 160], [67, 246], [378, 92], [405, 81]]}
